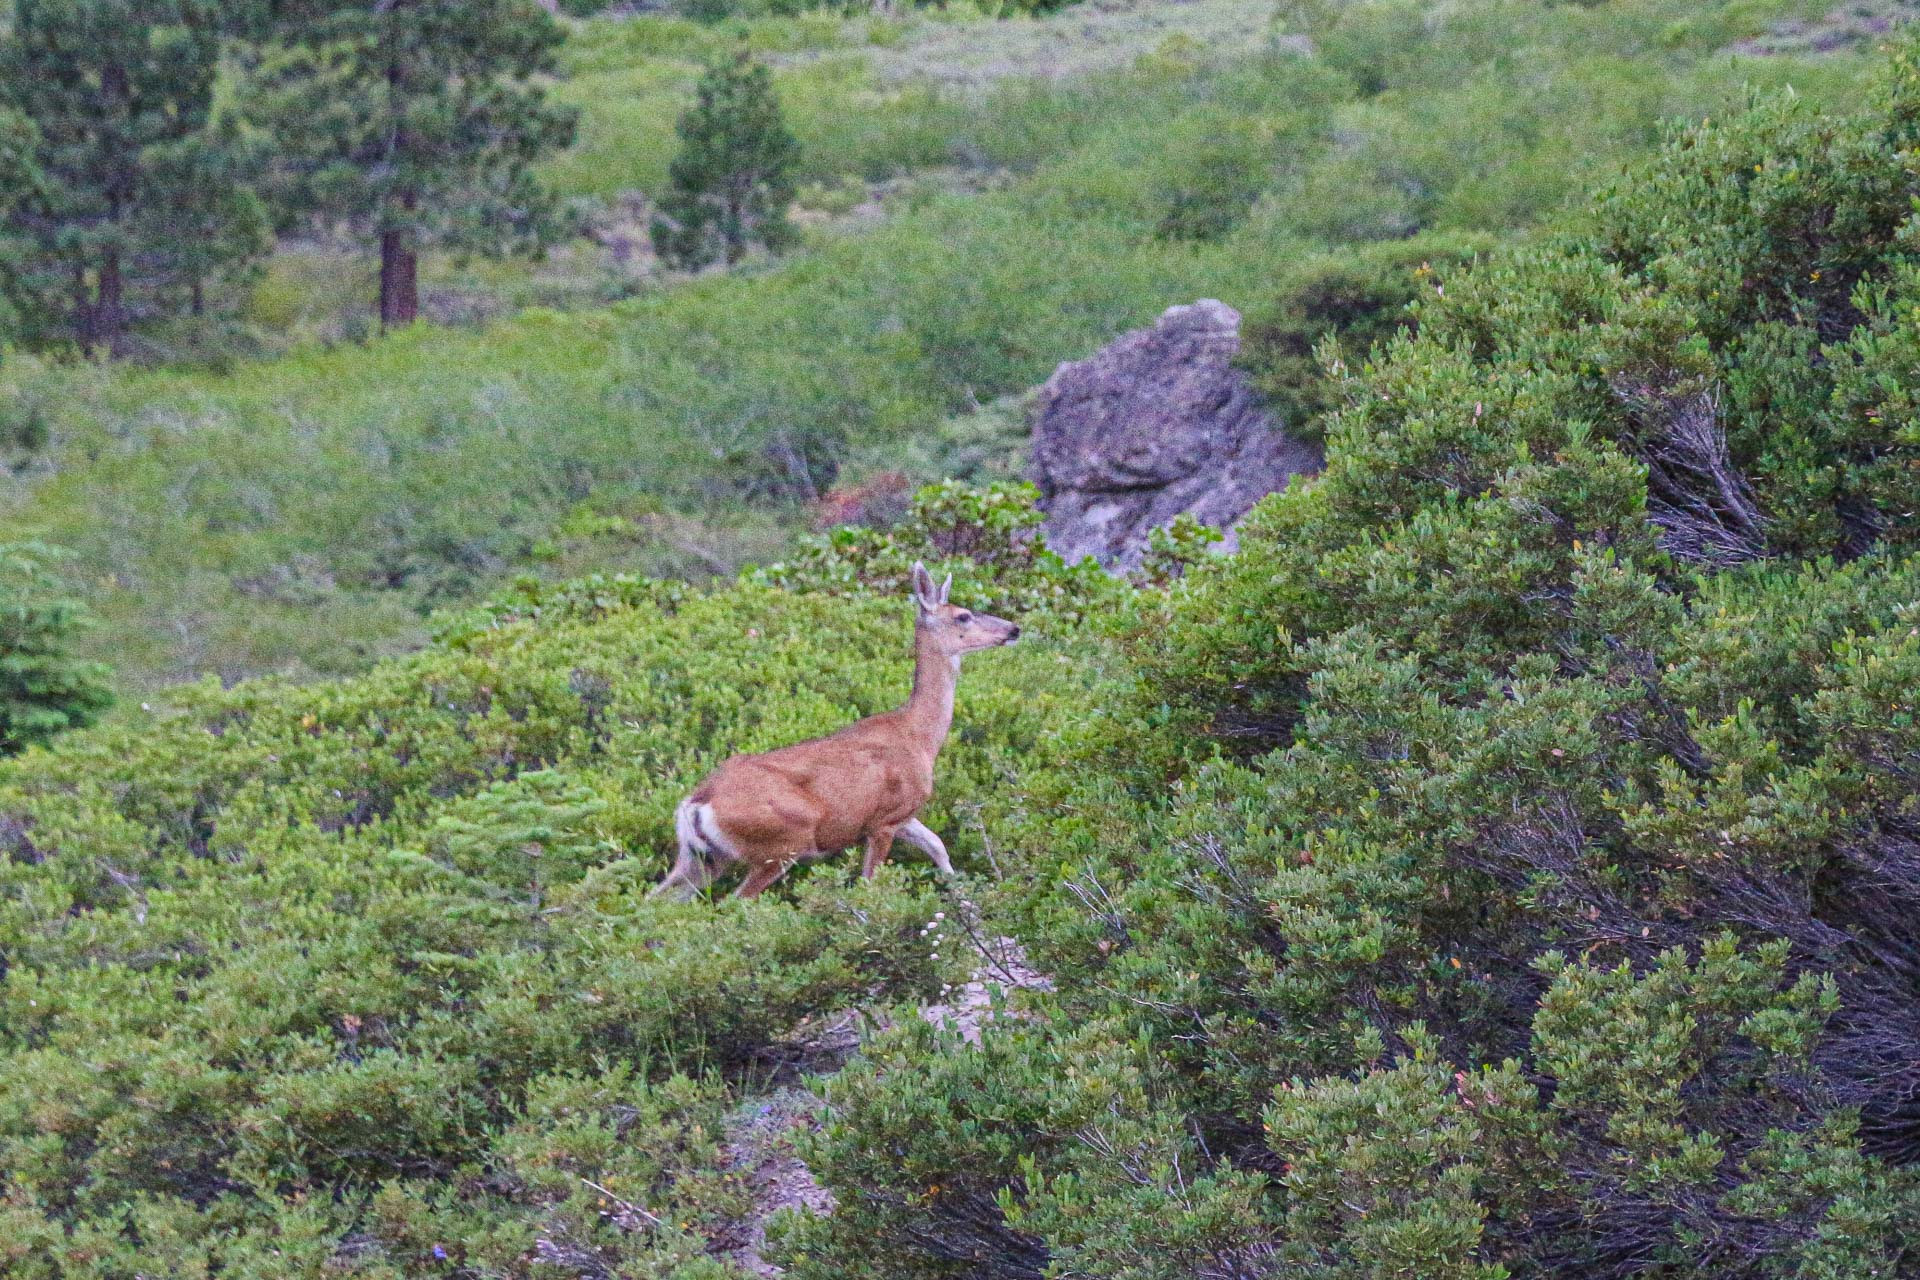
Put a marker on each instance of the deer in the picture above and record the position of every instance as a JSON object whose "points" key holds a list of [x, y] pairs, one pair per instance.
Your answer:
{"points": [[863, 785]]}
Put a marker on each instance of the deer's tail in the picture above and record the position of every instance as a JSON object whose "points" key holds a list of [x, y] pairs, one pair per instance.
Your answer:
{"points": [[703, 852]]}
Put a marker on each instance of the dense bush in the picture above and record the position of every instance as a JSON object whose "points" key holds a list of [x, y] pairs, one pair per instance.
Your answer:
{"points": [[360, 978], [1354, 299], [990, 536], [1509, 863]]}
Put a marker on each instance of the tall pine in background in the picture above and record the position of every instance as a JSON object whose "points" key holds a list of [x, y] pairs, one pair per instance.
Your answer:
{"points": [[120, 94], [415, 123], [733, 179], [22, 188]]}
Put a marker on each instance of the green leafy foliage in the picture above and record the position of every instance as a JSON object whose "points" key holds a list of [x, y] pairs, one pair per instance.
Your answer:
{"points": [[1175, 547], [1506, 863], [988, 536], [1335, 309], [372, 963]]}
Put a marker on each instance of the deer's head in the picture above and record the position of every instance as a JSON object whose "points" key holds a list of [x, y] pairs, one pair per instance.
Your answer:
{"points": [[953, 629]]}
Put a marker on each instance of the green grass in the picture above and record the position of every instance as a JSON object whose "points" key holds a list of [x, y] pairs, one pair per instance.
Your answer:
{"points": [[301, 514]]}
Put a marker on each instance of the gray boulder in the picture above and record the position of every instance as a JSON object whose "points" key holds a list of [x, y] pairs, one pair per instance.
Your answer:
{"points": [[1157, 423]]}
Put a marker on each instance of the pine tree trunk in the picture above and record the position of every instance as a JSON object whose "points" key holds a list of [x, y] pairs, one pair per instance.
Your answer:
{"points": [[399, 280], [735, 232], [106, 319], [102, 313], [399, 262], [83, 317], [110, 310]]}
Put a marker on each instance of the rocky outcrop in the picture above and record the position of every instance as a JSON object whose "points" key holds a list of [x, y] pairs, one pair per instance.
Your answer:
{"points": [[1157, 423]]}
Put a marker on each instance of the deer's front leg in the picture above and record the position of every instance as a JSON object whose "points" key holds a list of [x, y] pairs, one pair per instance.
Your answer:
{"points": [[879, 844]]}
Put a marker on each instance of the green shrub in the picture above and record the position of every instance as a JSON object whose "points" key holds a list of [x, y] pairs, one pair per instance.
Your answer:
{"points": [[1373, 42], [988, 536], [1175, 547], [1354, 300], [368, 967], [1505, 865], [1218, 164]]}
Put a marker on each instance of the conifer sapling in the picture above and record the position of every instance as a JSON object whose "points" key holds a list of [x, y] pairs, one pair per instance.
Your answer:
{"points": [[733, 179]]}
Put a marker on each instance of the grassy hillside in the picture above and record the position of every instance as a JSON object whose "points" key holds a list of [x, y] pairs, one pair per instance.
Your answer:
{"points": [[1504, 865], [219, 516]]}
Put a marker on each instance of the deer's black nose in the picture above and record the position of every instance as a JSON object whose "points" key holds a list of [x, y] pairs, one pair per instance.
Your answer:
{"points": [[1016, 632]]}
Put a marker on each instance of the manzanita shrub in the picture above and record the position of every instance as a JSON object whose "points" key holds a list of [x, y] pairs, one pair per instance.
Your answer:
{"points": [[1508, 864], [360, 978], [989, 536]]}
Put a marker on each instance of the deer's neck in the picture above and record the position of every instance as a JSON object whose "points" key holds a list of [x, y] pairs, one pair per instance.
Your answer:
{"points": [[930, 709]]}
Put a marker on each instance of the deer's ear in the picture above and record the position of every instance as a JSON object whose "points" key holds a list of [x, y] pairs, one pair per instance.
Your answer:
{"points": [[946, 588], [923, 586]]}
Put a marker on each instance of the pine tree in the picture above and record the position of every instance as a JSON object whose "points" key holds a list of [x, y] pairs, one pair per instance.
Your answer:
{"points": [[416, 122], [733, 179], [22, 188], [117, 91], [44, 689], [218, 226]]}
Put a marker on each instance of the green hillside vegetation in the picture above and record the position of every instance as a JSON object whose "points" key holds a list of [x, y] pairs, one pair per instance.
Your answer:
{"points": [[358, 976], [1504, 865], [1507, 864], [217, 515]]}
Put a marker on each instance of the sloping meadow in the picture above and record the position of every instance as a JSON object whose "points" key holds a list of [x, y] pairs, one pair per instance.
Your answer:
{"points": [[216, 516], [359, 978], [1505, 865]]}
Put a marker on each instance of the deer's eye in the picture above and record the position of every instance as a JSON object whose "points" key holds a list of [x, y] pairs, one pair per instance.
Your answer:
{"points": [[963, 616]]}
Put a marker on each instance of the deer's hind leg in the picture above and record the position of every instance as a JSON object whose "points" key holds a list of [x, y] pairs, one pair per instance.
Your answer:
{"points": [[768, 859], [879, 844], [763, 874], [704, 854], [683, 883]]}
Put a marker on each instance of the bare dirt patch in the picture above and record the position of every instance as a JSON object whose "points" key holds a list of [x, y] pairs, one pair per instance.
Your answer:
{"points": [[760, 1147], [1845, 27], [1085, 39]]}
